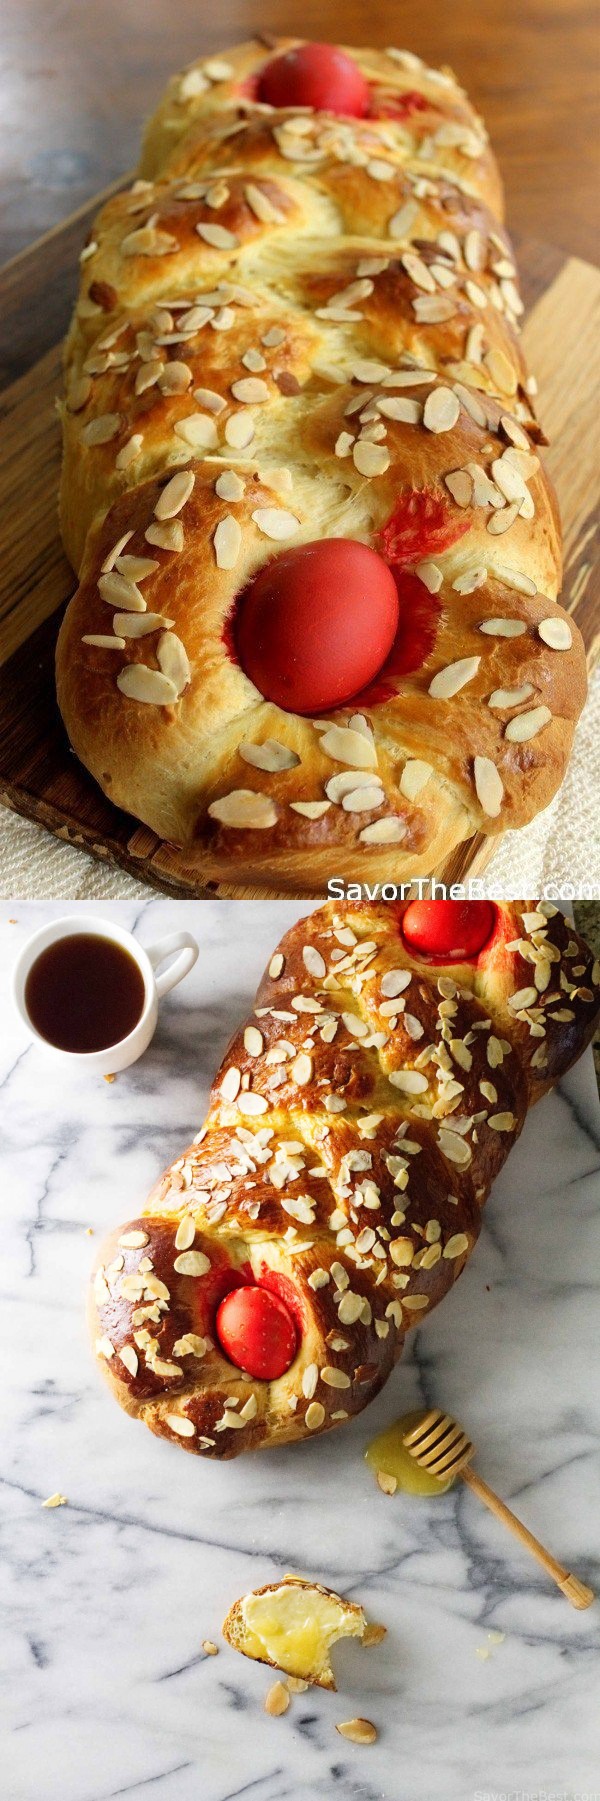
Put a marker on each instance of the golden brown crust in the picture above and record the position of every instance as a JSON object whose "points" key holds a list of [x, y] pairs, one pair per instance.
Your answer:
{"points": [[316, 1173], [301, 281]]}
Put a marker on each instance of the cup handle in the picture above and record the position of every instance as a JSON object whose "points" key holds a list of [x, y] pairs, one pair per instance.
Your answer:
{"points": [[188, 952]]}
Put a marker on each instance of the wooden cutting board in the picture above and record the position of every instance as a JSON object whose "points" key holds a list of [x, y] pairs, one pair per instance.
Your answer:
{"points": [[39, 775]]}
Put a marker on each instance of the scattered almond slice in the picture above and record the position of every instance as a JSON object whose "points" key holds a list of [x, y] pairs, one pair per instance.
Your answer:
{"points": [[277, 1699], [373, 1634], [56, 1500], [361, 1732]]}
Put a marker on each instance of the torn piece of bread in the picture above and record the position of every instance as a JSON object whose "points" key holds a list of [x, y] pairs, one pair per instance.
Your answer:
{"points": [[292, 1625]]}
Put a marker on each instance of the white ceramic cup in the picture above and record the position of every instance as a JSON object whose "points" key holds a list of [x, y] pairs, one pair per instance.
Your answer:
{"points": [[116, 1056]]}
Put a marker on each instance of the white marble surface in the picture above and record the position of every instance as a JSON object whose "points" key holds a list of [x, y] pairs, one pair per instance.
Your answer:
{"points": [[106, 1601]]}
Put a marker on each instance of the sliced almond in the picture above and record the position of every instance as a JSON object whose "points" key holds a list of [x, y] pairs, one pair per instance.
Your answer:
{"points": [[173, 659], [227, 542], [313, 961], [455, 676], [185, 1234], [502, 373], [230, 1085], [441, 410], [361, 1732], [78, 392], [217, 236], [251, 390], [269, 755], [433, 309], [502, 521], [277, 1699], [229, 486], [556, 632], [515, 432], [347, 782], [527, 725], [261, 205], [119, 592], [475, 251], [137, 569], [103, 641], [370, 459], [510, 697], [364, 799], [147, 241], [198, 430], [345, 745], [470, 580], [397, 407], [310, 809], [508, 479], [414, 776], [174, 496], [275, 522], [139, 625], [301, 1069], [418, 271], [395, 981], [454, 1148], [192, 1263], [488, 786], [431, 574], [244, 809], [148, 685], [409, 1081], [102, 429], [239, 430], [178, 1423], [401, 223], [384, 831], [373, 1633], [175, 378], [471, 404], [503, 628], [129, 451], [210, 400], [460, 485], [253, 1041], [514, 578], [168, 536], [456, 1246]]}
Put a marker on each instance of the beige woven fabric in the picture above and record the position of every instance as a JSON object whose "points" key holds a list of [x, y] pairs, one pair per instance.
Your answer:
{"points": [[561, 846]]}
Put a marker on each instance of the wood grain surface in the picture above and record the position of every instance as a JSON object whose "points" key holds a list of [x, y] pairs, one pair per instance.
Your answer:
{"points": [[39, 775], [79, 76]]}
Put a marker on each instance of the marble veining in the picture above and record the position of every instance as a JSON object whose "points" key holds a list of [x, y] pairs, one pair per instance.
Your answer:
{"points": [[106, 1601]]}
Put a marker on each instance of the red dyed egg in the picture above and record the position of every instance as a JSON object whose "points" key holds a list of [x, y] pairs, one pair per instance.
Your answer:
{"points": [[315, 75], [448, 931], [317, 623], [257, 1332]]}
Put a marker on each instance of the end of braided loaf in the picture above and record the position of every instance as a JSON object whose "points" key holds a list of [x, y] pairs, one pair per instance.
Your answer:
{"points": [[354, 1129], [298, 327]]}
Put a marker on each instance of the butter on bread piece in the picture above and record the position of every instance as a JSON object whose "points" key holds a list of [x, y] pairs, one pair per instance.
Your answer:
{"points": [[292, 1626]]}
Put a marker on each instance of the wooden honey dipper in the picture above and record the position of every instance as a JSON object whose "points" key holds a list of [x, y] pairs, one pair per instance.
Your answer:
{"points": [[441, 1447]]}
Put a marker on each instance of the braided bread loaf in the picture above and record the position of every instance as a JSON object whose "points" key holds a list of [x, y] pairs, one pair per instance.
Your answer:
{"points": [[332, 1198], [300, 468]]}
